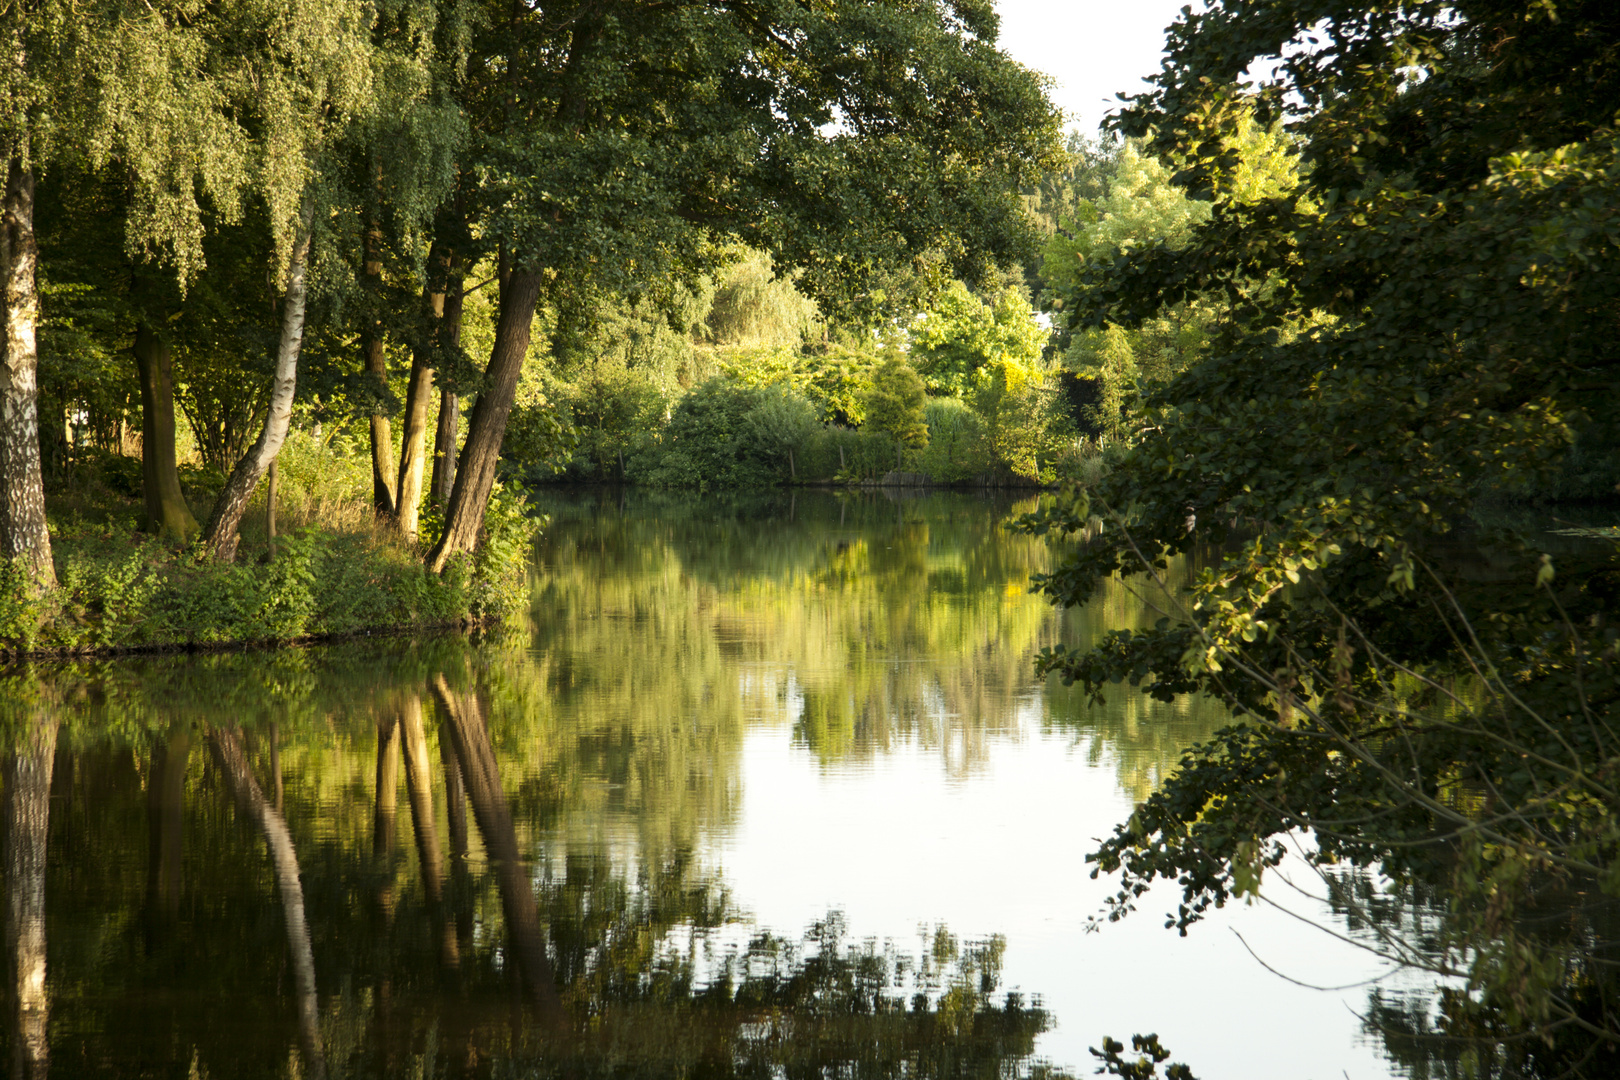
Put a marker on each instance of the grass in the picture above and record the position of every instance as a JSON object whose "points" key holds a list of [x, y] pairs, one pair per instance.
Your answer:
{"points": [[336, 571]]}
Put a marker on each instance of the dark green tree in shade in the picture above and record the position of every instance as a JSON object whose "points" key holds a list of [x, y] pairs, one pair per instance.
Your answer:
{"points": [[1425, 323]]}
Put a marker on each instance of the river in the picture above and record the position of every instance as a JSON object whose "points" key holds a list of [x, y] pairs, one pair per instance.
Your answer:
{"points": [[765, 786]]}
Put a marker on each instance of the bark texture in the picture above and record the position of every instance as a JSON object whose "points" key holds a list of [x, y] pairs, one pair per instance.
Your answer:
{"points": [[28, 819], [475, 470], [444, 453], [226, 744], [467, 730], [24, 537], [166, 511], [374, 359], [443, 300], [221, 536]]}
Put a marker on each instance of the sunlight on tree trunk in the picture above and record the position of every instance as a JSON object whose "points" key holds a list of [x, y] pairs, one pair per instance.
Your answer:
{"points": [[442, 299], [475, 478], [23, 534], [221, 536], [374, 360]]}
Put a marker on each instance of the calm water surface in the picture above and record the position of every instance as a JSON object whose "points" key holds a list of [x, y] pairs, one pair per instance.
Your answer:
{"points": [[766, 788]]}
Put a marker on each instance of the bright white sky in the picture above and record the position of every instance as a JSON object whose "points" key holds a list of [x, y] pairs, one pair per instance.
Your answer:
{"points": [[1093, 49]]}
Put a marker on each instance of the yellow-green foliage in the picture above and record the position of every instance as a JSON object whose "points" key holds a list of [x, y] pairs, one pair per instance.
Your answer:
{"points": [[1142, 207]]}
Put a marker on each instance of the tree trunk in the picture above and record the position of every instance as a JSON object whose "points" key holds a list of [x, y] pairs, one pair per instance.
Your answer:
{"points": [[221, 536], [444, 453], [24, 537], [443, 299], [28, 818], [375, 362], [482, 776], [475, 471], [271, 494], [167, 514], [226, 744]]}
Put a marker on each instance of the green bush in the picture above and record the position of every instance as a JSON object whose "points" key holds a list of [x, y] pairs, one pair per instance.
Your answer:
{"points": [[839, 453], [120, 589], [710, 444], [955, 449]]}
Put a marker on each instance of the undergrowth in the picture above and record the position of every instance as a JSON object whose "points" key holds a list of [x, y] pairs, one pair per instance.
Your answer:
{"points": [[120, 589]]}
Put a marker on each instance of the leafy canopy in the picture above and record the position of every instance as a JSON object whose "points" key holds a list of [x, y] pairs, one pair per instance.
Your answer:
{"points": [[1427, 321]]}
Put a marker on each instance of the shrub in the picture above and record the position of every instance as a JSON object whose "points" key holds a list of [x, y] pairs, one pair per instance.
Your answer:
{"points": [[955, 449], [709, 442]]}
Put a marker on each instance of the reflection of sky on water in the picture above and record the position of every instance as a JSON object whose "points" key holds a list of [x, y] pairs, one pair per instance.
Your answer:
{"points": [[898, 841], [900, 764]]}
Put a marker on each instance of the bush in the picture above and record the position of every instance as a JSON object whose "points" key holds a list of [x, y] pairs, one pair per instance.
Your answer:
{"points": [[120, 589], [955, 449], [709, 442]]}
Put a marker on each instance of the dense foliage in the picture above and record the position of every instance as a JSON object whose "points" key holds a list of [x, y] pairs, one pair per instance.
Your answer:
{"points": [[1425, 323], [320, 216]]}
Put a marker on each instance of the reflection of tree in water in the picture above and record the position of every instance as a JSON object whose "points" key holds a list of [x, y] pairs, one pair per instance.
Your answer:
{"points": [[174, 882], [862, 620]]}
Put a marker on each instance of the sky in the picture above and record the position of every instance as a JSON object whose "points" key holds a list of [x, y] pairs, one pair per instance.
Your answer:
{"points": [[1094, 49]]}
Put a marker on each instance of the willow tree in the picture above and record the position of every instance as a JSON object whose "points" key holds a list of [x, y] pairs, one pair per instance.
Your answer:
{"points": [[626, 142]]}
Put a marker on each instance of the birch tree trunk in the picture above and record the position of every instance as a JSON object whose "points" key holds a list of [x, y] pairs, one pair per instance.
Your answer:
{"points": [[475, 471], [24, 537], [166, 511], [226, 744], [221, 536], [28, 818]]}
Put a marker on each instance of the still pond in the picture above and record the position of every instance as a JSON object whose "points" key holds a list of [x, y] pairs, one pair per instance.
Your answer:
{"points": [[764, 788]]}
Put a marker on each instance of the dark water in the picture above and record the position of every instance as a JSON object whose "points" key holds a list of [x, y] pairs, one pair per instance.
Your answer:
{"points": [[766, 788]]}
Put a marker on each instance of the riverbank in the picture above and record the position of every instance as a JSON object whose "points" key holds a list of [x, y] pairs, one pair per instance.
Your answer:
{"points": [[121, 591]]}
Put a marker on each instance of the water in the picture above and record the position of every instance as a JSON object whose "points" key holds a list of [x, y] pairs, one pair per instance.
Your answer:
{"points": [[759, 776]]}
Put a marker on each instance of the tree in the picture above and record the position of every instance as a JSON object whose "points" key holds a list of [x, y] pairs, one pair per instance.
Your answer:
{"points": [[895, 404], [1428, 320], [1141, 206], [782, 423], [632, 142], [315, 68], [959, 335]]}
